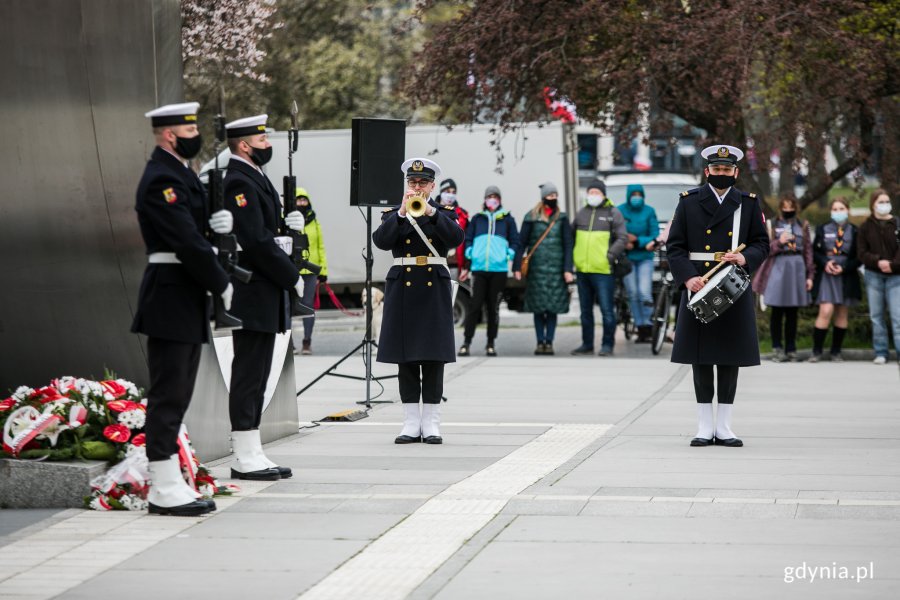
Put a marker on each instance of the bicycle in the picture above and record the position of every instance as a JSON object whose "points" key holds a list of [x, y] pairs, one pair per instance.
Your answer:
{"points": [[662, 306]]}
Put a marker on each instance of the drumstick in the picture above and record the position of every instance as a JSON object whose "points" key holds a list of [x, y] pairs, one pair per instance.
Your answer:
{"points": [[712, 271]]}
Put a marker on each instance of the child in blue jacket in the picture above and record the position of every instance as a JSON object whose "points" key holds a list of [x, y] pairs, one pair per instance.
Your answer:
{"points": [[491, 243]]}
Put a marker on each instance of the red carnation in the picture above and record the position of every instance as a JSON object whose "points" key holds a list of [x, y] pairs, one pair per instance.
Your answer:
{"points": [[7, 404], [117, 433], [114, 387], [140, 439]]}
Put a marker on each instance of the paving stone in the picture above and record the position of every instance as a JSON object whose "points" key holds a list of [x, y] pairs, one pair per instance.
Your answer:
{"points": [[549, 506]]}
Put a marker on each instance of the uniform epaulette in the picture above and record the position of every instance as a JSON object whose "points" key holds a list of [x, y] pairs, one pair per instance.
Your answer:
{"points": [[449, 208], [387, 210], [689, 192], [750, 194]]}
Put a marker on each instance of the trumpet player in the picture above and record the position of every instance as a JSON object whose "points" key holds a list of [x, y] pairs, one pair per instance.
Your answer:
{"points": [[417, 327]]}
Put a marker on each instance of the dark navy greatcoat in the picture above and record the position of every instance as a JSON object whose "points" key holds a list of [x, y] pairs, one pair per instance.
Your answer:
{"points": [[701, 224], [417, 325], [263, 304], [172, 214]]}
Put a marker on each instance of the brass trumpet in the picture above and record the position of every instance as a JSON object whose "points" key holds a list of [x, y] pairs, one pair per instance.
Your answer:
{"points": [[417, 205]]}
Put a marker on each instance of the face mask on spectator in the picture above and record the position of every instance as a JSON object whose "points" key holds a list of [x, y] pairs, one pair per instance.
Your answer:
{"points": [[883, 209], [839, 217], [636, 201], [491, 203], [595, 199], [448, 198], [788, 214]]}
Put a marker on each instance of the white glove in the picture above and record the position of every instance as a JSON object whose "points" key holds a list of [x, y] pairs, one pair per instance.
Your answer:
{"points": [[299, 286], [227, 295], [221, 221], [295, 221]]}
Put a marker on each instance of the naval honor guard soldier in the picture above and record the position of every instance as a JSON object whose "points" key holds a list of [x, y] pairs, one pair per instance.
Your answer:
{"points": [[173, 311], [417, 326], [263, 304], [703, 232]]}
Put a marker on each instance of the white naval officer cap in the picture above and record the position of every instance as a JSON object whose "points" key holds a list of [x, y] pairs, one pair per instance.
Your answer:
{"points": [[421, 167], [722, 155], [246, 126], [184, 113]]}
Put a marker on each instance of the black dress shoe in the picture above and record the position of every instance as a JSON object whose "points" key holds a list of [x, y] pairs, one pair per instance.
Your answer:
{"points": [[463, 350], [434, 439], [702, 441], [261, 475], [490, 351], [285, 472], [407, 439], [209, 502], [730, 442], [191, 509]]}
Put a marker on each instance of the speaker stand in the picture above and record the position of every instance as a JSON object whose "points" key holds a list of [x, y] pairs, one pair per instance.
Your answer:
{"points": [[367, 344]]}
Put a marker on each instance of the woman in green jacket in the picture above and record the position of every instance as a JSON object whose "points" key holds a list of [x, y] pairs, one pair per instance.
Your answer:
{"points": [[316, 256], [549, 265]]}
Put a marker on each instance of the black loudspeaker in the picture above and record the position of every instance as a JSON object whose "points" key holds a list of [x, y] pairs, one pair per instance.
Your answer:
{"points": [[377, 151]]}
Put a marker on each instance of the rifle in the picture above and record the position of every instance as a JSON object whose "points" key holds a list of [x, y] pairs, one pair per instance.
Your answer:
{"points": [[300, 241], [225, 242]]}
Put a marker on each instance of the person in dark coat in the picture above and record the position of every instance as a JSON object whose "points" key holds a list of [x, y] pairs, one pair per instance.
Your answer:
{"points": [[704, 224], [550, 265], [836, 286], [173, 310], [879, 252], [264, 303], [417, 324]]}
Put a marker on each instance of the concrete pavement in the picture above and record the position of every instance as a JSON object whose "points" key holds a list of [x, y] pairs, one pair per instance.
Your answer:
{"points": [[559, 477]]}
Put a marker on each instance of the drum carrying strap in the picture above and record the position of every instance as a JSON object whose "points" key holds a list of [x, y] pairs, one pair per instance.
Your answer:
{"points": [[735, 233], [454, 285]]}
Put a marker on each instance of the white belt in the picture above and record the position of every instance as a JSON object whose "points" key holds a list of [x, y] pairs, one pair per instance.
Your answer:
{"points": [[420, 261], [706, 256], [163, 258], [717, 256]]}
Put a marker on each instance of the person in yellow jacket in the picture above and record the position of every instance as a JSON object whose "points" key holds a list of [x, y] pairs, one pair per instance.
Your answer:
{"points": [[600, 236], [316, 256]]}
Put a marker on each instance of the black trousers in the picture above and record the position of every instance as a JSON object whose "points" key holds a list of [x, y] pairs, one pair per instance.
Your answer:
{"points": [[173, 370], [727, 383], [425, 379], [486, 290], [249, 372], [787, 314]]}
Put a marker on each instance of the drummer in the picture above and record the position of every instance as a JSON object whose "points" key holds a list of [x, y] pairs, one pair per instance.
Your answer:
{"points": [[709, 223]]}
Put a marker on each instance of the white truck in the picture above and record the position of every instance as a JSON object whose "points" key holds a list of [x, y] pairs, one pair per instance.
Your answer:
{"points": [[530, 156]]}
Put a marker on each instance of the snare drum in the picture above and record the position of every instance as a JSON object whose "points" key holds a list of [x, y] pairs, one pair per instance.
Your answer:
{"points": [[719, 293]]}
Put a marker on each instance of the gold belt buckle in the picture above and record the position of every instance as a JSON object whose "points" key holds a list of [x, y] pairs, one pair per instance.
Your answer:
{"points": [[421, 261], [717, 256]]}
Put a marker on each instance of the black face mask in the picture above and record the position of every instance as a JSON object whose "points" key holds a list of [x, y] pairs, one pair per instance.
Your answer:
{"points": [[789, 214], [188, 148], [261, 156], [549, 203], [721, 182]]}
